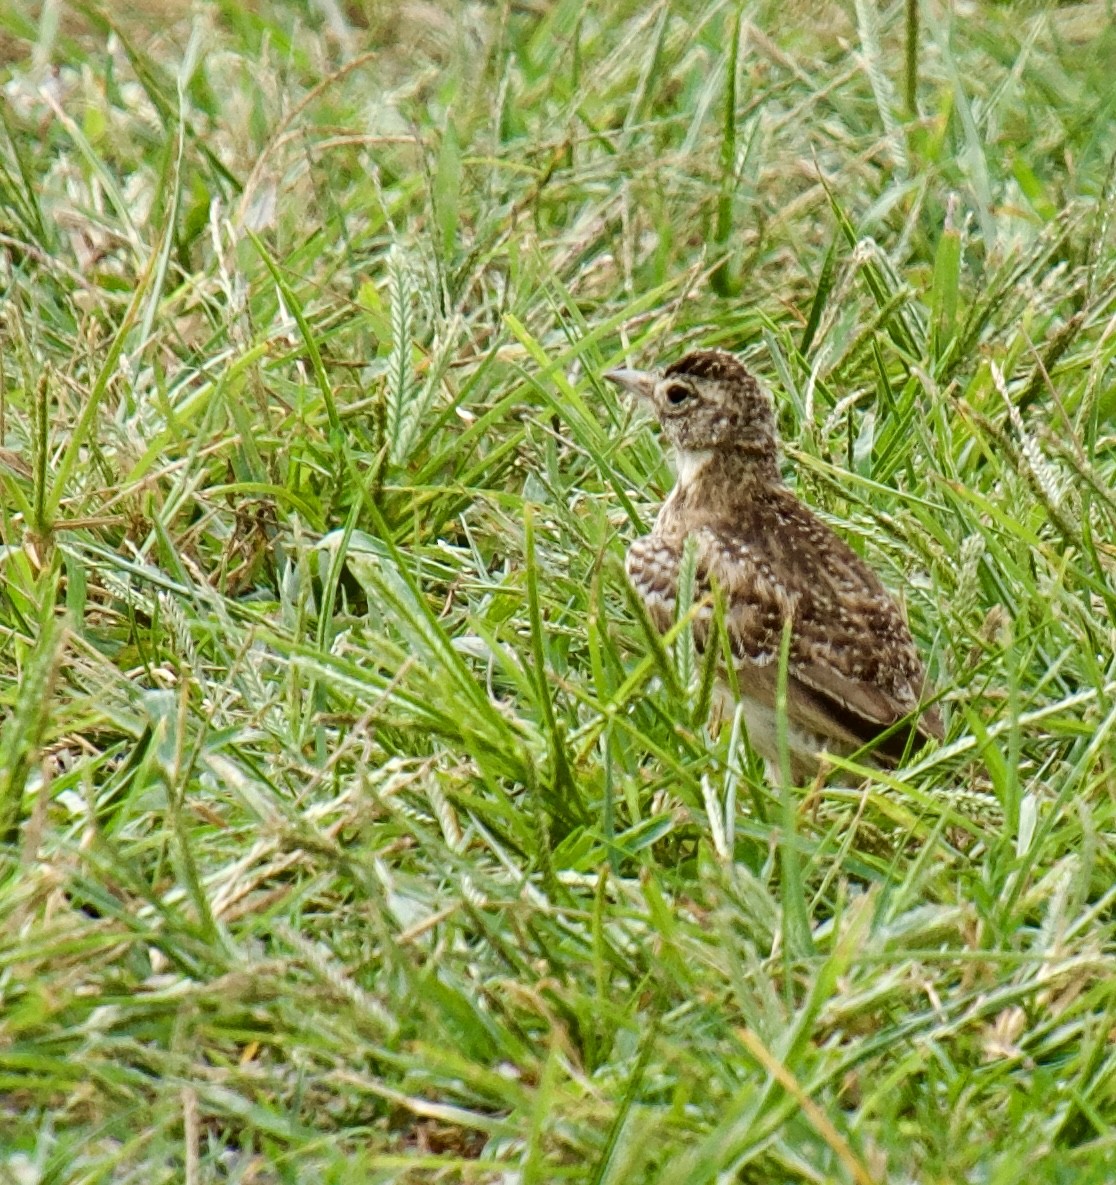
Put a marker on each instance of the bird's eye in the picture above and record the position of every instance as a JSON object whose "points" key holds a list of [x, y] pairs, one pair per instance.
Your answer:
{"points": [[678, 393]]}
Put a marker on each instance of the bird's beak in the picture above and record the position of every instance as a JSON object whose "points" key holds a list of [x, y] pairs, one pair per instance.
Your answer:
{"points": [[639, 382]]}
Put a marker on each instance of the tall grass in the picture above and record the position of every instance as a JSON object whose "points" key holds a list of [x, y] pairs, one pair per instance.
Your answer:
{"points": [[357, 825]]}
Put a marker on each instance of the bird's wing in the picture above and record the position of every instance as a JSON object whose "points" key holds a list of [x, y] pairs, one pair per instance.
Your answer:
{"points": [[852, 661], [839, 686], [652, 567]]}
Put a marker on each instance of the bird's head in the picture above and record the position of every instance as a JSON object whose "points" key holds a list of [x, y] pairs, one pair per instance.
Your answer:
{"points": [[709, 404]]}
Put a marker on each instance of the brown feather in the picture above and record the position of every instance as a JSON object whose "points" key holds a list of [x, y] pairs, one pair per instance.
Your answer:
{"points": [[854, 672]]}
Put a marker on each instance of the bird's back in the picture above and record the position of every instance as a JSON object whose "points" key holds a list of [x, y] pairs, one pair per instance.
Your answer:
{"points": [[852, 661]]}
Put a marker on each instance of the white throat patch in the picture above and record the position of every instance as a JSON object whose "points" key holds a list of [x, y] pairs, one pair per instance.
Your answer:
{"points": [[689, 463]]}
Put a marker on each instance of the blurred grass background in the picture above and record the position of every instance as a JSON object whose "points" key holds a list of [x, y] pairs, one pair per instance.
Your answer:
{"points": [[354, 827]]}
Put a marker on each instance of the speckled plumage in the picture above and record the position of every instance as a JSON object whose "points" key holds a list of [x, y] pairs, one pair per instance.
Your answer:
{"points": [[853, 670]]}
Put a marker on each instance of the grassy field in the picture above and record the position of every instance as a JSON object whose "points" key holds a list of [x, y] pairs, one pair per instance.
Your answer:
{"points": [[354, 829]]}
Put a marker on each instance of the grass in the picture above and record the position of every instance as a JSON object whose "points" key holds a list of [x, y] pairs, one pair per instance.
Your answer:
{"points": [[356, 827]]}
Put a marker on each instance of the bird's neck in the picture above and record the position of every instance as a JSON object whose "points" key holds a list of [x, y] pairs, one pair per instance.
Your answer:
{"points": [[712, 483], [726, 470], [690, 464]]}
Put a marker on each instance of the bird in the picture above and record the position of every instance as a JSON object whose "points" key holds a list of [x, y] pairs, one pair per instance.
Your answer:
{"points": [[854, 677]]}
